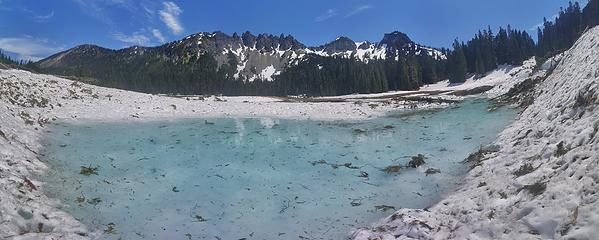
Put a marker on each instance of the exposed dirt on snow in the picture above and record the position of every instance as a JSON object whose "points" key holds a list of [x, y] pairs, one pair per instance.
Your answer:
{"points": [[542, 183]]}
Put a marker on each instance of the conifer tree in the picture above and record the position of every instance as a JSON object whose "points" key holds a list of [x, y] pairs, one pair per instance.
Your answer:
{"points": [[458, 64], [591, 13]]}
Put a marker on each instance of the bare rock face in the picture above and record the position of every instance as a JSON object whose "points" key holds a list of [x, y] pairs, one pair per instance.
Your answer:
{"points": [[395, 40], [341, 44]]}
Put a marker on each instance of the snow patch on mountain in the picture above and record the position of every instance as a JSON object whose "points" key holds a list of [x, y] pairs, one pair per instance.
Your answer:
{"points": [[435, 53], [253, 60], [252, 54], [268, 73], [370, 53], [367, 52]]}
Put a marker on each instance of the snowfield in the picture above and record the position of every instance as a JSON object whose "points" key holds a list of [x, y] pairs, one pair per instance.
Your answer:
{"points": [[543, 181], [561, 120]]}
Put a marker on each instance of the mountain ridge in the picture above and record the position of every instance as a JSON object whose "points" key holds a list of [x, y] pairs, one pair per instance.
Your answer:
{"points": [[256, 55]]}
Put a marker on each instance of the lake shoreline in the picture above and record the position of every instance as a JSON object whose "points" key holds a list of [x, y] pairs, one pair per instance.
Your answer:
{"points": [[247, 168], [541, 182], [33, 101]]}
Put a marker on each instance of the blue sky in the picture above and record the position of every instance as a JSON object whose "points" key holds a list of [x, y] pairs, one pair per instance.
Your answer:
{"points": [[33, 29]]}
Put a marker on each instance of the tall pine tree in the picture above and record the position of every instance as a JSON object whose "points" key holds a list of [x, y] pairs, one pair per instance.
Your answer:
{"points": [[457, 63]]}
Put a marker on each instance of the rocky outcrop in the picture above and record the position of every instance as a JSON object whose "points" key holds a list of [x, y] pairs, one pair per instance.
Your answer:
{"points": [[395, 40]]}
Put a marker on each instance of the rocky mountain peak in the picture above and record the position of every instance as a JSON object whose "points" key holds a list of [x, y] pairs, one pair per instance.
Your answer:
{"points": [[364, 45], [249, 40], [340, 44], [395, 40]]}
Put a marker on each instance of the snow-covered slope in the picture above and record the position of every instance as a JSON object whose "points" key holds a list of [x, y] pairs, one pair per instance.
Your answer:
{"points": [[501, 79], [542, 183]]}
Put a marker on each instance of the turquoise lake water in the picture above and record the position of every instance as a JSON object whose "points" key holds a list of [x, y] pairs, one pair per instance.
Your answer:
{"points": [[259, 178]]}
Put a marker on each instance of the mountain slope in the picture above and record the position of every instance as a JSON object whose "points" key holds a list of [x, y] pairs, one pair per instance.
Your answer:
{"points": [[541, 183], [220, 62]]}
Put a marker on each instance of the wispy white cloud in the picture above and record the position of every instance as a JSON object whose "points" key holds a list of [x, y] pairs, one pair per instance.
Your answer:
{"points": [[358, 10], [28, 48], [94, 9], [332, 13], [100, 9], [42, 18], [158, 35], [144, 14], [133, 39], [326, 15], [149, 11], [170, 16]]}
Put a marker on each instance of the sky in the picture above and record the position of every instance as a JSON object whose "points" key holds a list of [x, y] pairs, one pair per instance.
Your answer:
{"points": [[34, 29]]}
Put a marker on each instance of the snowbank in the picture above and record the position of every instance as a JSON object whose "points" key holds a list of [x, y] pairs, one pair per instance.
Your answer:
{"points": [[502, 79], [541, 184]]}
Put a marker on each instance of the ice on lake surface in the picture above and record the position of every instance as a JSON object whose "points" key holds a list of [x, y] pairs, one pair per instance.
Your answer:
{"points": [[259, 178]]}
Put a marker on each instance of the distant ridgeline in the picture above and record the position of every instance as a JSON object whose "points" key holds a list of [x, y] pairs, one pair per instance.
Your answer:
{"points": [[212, 63], [216, 63]]}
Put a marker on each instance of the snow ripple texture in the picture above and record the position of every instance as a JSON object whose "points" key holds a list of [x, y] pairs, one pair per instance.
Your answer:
{"points": [[543, 182]]}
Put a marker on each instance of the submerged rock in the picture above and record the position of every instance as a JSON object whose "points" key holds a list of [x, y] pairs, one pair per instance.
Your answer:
{"points": [[384, 208], [432, 171], [359, 131], [417, 161], [87, 171], [392, 169]]}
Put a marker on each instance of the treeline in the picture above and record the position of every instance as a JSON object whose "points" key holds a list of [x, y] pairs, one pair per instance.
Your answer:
{"points": [[318, 75], [315, 75], [8, 62], [5, 59], [509, 46], [155, 73], [486, 51], [559, 35]]}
